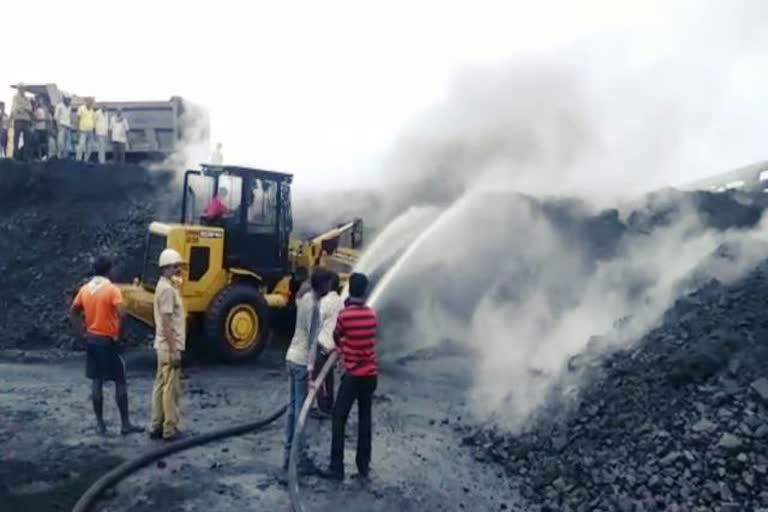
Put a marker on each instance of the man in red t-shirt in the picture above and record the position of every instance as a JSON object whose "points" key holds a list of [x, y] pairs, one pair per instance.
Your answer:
{"points": [[100, 303], [216, 208], [355, 337]]}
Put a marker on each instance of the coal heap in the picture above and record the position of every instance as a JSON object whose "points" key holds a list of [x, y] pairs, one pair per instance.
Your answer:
{"points": [[678, 422], [54, 218]]}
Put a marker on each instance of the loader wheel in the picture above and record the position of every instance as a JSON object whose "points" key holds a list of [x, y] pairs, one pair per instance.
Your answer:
{"points": [[237, 323]]}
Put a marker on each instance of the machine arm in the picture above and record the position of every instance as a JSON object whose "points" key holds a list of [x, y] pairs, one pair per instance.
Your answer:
{"points": [[326, 249]]}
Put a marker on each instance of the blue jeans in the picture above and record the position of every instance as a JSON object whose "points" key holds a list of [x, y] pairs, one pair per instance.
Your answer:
{"points": [[298, 387], [85, 145], [101, 144], [64, 141]]}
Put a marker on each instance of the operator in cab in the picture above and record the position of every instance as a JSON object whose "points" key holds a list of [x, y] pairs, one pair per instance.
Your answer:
{"points": [[216, 210]]}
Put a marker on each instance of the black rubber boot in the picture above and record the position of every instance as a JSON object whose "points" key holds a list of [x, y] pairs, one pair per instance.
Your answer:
{"points": [[131, 429], [330, 474]]}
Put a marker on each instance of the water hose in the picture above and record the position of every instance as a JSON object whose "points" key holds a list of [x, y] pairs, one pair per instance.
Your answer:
{"points": [[298, 434], [90, 496]]}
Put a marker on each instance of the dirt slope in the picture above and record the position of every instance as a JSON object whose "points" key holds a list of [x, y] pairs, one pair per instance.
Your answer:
{"points": [[55, 217], [679, 422]]}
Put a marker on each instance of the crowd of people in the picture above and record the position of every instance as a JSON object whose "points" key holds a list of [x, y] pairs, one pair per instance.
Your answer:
{"points": [[324, 323], [42, 131]]}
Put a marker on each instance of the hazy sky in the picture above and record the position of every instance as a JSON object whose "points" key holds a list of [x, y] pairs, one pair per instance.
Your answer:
{"points": [[323, 89]]}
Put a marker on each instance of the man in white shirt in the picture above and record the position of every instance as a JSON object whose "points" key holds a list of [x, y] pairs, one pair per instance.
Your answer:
{"points": [[119, 137], [297, 358], [42, 119], [21, 113], [101, 129], [62, 115], [330, 305]]}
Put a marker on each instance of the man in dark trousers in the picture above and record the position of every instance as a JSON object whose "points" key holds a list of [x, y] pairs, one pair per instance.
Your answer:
{"points": [[330, 306], [100, 302], [355, 337]]}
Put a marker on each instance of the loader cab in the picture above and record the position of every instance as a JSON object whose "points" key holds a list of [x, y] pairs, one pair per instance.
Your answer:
{"points": [[257, 218]]}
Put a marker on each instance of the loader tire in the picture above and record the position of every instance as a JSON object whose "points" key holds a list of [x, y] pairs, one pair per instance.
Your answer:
{"points": [[237, 323]]}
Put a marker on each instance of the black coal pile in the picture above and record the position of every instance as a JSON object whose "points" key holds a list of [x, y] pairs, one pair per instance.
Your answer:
{"points": [[54, 219], [499, 260], [715, 210], [678, 422]]}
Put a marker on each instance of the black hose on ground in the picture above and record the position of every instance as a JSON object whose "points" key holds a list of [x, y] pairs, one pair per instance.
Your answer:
{"points": [[90, 496], [298, 434]]}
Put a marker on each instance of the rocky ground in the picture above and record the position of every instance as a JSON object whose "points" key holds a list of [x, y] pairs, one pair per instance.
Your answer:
{"points": [[679, 422], [51, 451]]}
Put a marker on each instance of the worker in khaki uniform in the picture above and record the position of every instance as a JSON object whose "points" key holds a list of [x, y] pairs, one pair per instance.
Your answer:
{"points": [[170, 337]]}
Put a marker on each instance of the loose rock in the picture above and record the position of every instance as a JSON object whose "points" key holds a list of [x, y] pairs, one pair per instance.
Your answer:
{"points": [[730, 442], [760, 388]]}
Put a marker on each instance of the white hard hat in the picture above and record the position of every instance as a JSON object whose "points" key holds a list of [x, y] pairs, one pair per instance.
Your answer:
{"points": [[169, 257]]}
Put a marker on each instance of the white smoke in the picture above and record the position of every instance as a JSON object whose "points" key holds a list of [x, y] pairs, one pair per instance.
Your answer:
{"points": [[193, 148], [521, 285]]}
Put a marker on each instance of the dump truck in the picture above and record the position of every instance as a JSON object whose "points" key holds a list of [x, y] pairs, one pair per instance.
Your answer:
{"points": [[157, 128], [243, 269]]}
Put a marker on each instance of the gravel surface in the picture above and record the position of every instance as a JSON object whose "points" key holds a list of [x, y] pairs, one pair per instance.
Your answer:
{"points": [[51, 451]]}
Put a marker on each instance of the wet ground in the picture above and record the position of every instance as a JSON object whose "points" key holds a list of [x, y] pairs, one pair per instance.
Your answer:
{"points": [[51, 452]]}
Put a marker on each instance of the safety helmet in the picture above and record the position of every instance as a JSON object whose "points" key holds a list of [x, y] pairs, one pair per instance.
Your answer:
{"points": [[169, 257]]}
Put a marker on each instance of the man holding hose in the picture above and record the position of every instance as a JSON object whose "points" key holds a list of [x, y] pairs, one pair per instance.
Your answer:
{"points": [[355, 337], [298, 362], [330, 306]]}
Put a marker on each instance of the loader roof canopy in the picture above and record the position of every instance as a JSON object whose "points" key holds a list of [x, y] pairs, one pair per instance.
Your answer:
{"points": [[235, 170]]}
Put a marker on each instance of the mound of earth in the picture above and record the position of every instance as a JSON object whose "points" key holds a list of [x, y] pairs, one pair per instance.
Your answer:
{"points": [[516, 263], [679, 422], [55, 217]]}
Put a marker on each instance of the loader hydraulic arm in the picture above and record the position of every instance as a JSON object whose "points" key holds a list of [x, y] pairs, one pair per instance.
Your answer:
{"points": [[354, 228], [332, 248]]}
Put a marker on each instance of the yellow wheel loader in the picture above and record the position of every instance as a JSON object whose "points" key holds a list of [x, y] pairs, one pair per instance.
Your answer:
{"points": [[241, 268]]}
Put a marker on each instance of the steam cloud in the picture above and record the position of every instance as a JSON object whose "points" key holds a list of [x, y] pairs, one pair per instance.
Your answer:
{"points": [[522, 280], [194, 146]]}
